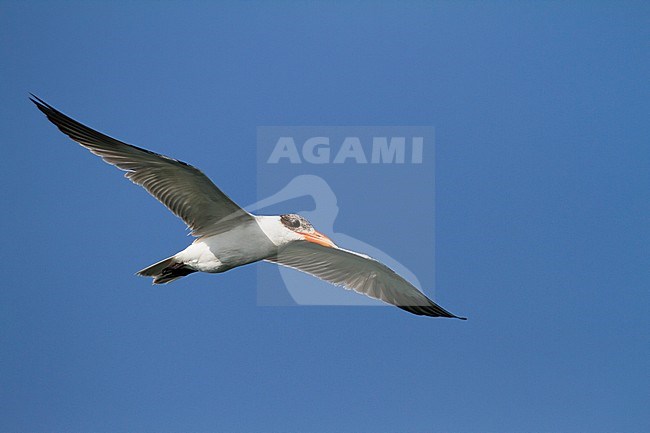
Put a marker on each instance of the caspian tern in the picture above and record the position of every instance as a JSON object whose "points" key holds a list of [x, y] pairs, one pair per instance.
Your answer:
{"points": [[227, 236]]}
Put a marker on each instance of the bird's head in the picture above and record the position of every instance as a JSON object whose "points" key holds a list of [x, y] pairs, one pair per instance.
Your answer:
{"points": [[303, 230]]}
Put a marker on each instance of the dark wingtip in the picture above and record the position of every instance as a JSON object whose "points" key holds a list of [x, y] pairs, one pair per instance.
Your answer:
{"points": [[432, 310], [35, 99], [40, 104]]}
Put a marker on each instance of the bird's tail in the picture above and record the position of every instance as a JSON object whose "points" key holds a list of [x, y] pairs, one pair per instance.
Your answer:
{"points": [[166, 271]]}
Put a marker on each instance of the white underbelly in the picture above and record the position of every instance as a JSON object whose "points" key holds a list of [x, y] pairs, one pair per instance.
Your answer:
{"points": [[242, 245]]}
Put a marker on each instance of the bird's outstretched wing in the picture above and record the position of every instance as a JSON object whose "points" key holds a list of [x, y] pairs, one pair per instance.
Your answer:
{"points": [[184, 189], [360, 273]]}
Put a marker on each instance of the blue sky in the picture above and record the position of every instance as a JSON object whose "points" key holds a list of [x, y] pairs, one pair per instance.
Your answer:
{"points": [[540, 112]]}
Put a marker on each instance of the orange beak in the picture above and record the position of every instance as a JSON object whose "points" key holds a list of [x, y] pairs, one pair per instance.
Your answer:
{"points": [[319, 238]]}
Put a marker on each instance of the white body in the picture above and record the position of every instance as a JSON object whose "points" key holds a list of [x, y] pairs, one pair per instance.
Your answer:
{"points": [[243, 244]]}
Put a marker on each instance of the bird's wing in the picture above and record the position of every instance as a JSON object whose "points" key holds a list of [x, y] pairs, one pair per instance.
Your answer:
{"points": [[360, 273], [184, 189]]}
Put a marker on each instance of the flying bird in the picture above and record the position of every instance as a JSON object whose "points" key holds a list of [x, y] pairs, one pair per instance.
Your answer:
{"points": [[227, 236]]}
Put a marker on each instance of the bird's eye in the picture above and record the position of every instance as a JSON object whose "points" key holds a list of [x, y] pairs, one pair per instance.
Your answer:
{"points": [[291, 221]]}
